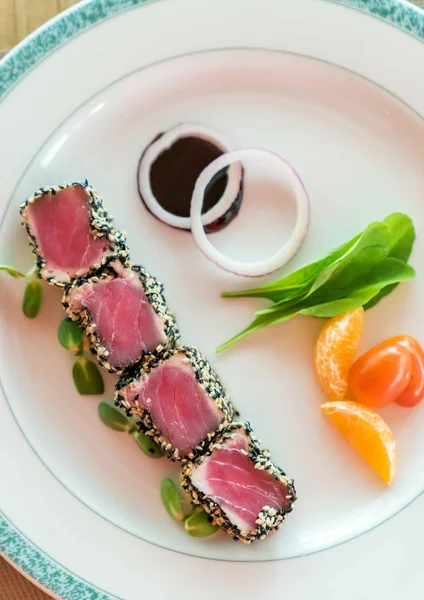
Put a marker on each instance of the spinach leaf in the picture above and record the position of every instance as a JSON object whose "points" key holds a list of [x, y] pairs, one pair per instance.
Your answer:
{"points": [[402, 233], [295, 284], [360, 273], [389, 271], [259, 322], [371, 248], [343, 276], [374, 241]]}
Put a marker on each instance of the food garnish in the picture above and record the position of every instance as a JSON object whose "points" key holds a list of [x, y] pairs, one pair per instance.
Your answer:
{"points": [[288, 249], [368, 433], [168, 170], [402, 238], [70, 335], [196, 520], [335, 351], [33, 293], [85, 373], [33, 298], [111, 417], [171, 499], [87, 377], [392, 371], [414, 391], [14, 272], [359, 273], [200, 524], [381, 375]]}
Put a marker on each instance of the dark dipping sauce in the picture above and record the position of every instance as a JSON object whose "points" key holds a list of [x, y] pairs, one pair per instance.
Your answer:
{"points": [[175, 171]]}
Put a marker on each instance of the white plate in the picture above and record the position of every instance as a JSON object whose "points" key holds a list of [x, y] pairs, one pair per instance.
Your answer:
{"points": [[306, 79]]}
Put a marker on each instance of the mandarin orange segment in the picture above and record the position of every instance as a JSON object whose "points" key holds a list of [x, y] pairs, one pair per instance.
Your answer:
{"points": [[335, 351], [368, 433]]}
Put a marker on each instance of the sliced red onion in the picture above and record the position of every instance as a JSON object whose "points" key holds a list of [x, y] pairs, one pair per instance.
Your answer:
{"points": [[261, 267], [232, 192]]}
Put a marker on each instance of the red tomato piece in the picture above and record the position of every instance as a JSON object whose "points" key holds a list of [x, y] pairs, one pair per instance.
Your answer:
{"points": [[414, 391], [381, 375]]}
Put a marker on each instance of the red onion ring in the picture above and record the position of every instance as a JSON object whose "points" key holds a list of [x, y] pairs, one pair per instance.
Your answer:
{"points": [[164, 142], [287, 251]]}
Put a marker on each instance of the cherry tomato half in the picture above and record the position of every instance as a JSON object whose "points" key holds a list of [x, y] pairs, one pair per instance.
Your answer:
{"points": [[414, 391], [381, 375]]}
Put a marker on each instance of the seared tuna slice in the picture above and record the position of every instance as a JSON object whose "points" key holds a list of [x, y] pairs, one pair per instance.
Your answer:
{"points": [[70, 232], [124, 312], [178, 400], [236, 482]]}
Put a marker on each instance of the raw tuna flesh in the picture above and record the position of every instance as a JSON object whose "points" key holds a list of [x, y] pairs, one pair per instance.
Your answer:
{"points": [[67, 244], [244, 485], [116, 306], [179, 410]]}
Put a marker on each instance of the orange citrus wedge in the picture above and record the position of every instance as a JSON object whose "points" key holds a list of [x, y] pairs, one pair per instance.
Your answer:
{"points": [[368, 433], [335, 351]]}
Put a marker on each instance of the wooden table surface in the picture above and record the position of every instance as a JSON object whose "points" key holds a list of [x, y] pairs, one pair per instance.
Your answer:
{"points": [[18, 18]]}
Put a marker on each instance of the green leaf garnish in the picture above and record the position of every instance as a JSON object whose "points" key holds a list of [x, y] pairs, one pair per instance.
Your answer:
{"points": [[261, 321], [70, 335], [389, 271], [33, 297], [199, 523], [147, 445], [114, 419], [297, 283], [171, 499], [196, 521], [13, 272], [87, 377], [402, 241], [18, 274], [359, 273], [111, 417], [186, 503]]}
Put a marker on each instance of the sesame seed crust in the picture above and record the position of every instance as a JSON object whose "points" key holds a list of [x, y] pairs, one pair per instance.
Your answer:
{"points": [[205, 376], [101, 227], [154, 295], [269, 519]]}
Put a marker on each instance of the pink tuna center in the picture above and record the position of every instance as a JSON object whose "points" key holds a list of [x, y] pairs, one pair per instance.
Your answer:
{"points": [[241, 490], [62, 228], [125, 322], [179, 407]]}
